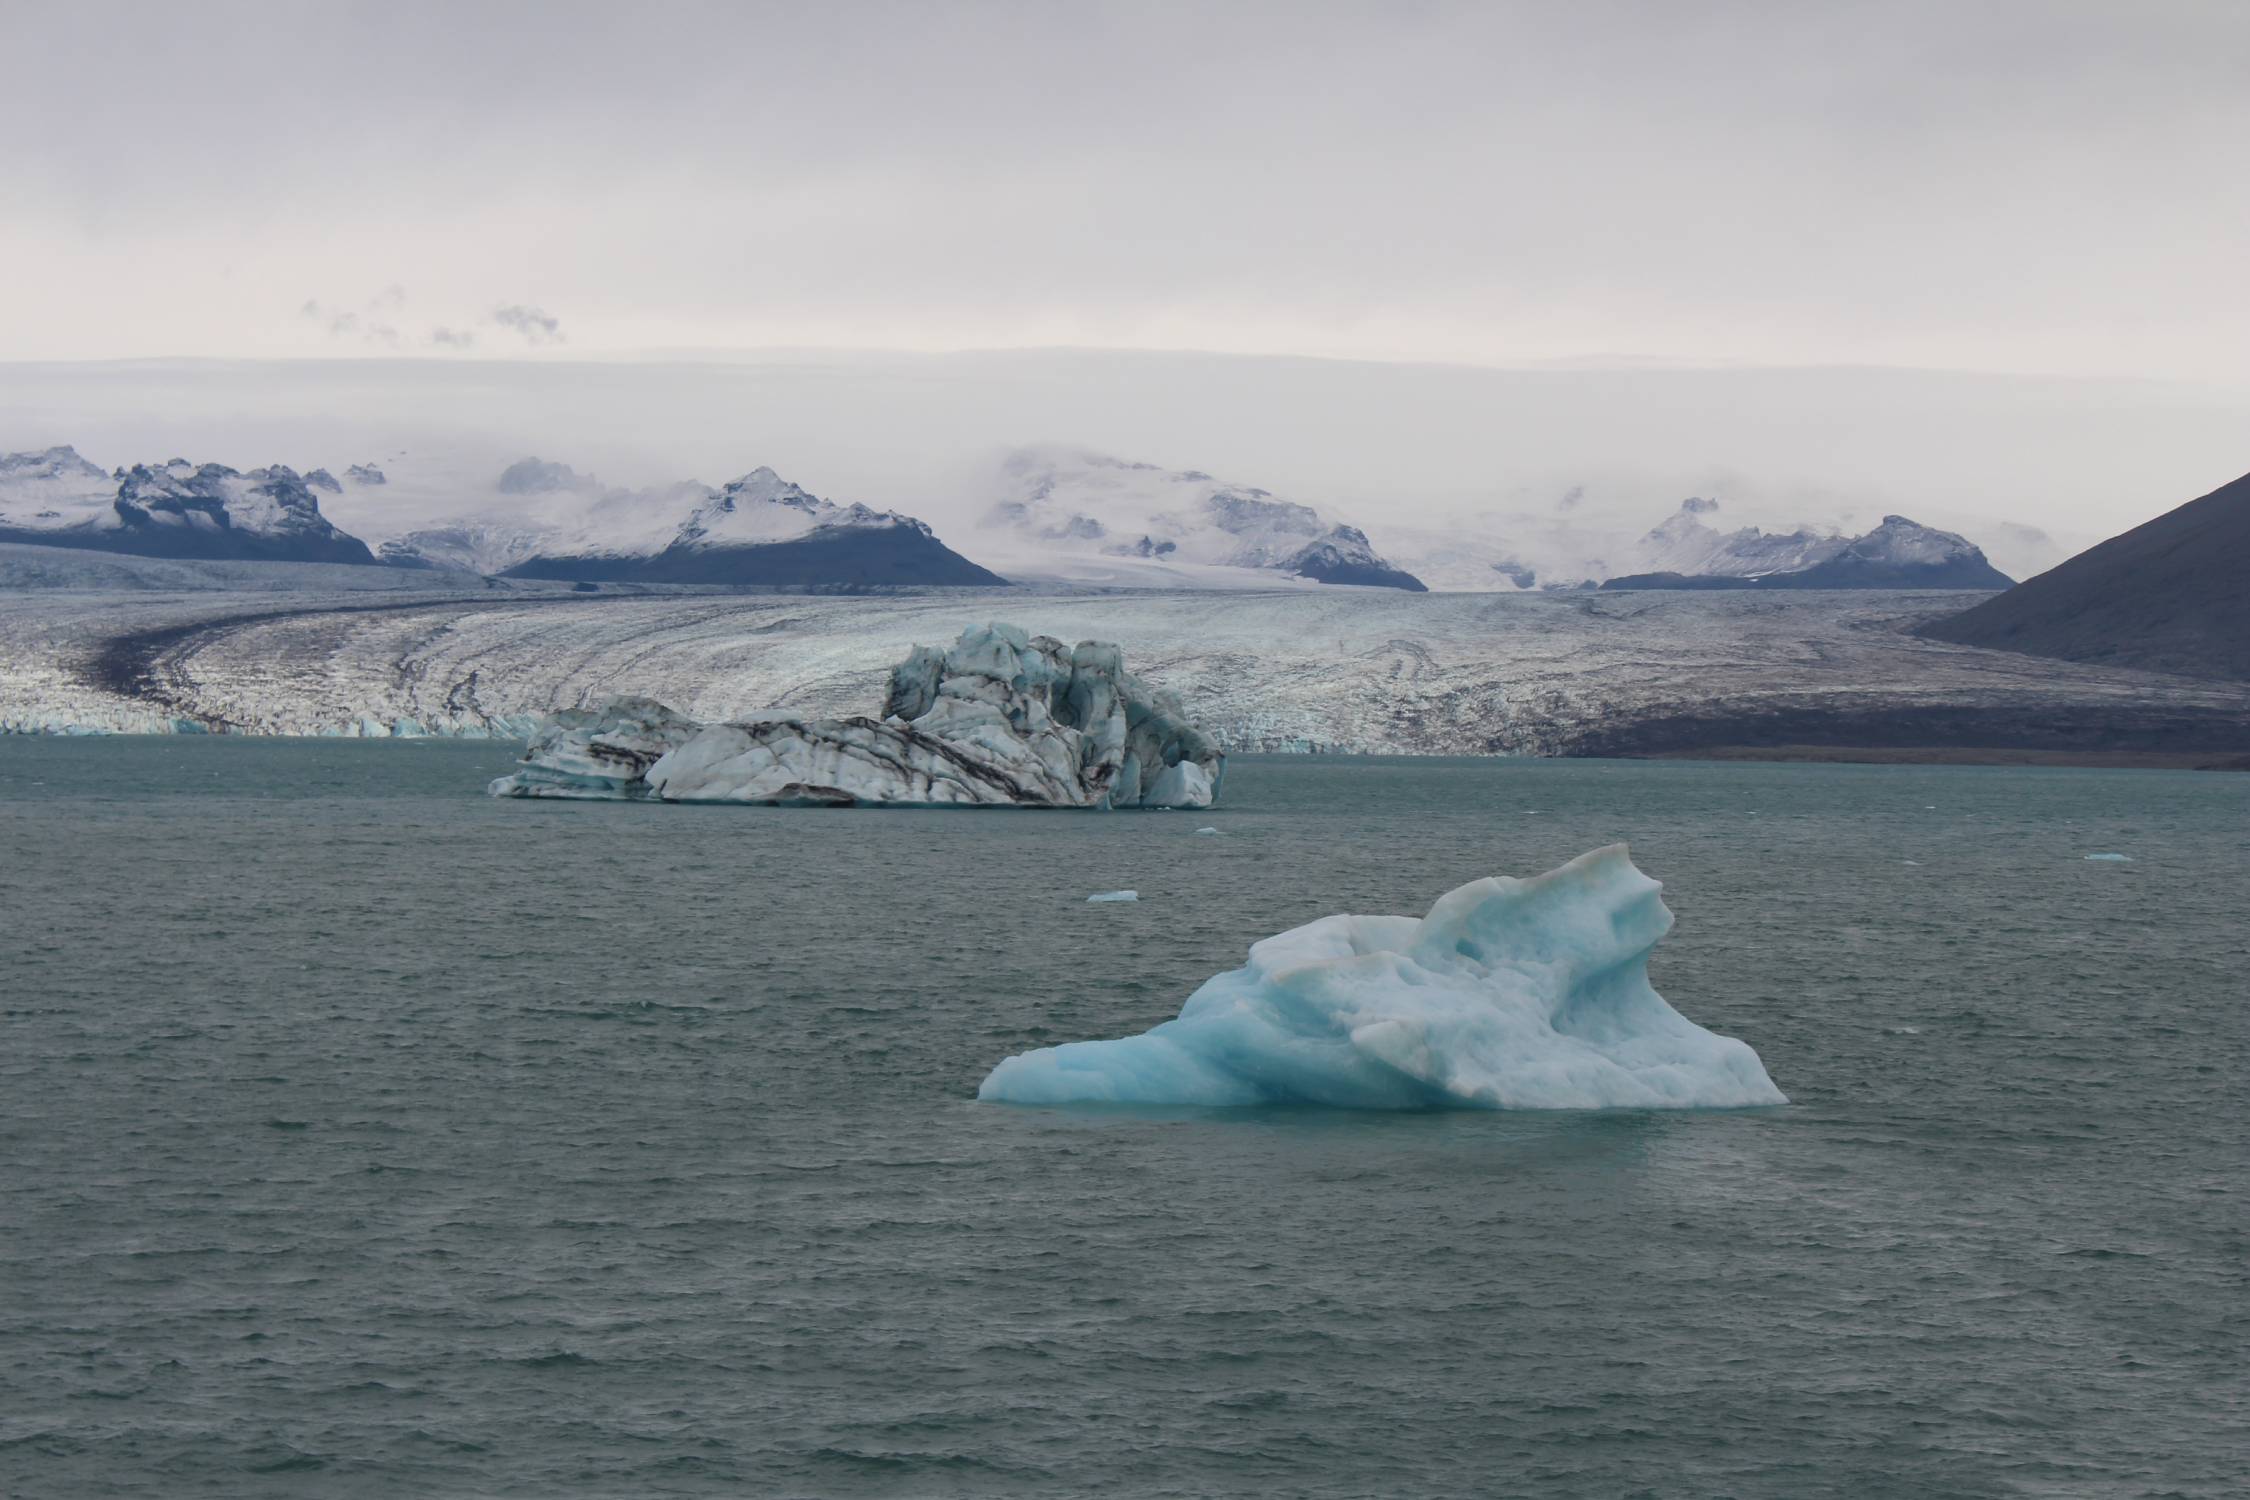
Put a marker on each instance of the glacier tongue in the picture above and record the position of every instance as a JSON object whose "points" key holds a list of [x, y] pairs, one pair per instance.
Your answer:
{"points": [[1510, 994], [1001, 718]]}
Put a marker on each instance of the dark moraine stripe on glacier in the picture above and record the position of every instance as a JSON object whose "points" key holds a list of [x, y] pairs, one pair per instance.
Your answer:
{"points": [[144, 664]]}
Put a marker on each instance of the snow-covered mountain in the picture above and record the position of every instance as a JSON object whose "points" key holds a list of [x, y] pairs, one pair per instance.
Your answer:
{"points": [[1507, 553], [537, 519], [480, 523], [1173, 524], [1685, 543], [484, 547], [1570, 546], [758, 529], [1071, 502], [1062, 515], [1686, 552], [1904, 554], [761, 508], [177, 509], [55, 490]]}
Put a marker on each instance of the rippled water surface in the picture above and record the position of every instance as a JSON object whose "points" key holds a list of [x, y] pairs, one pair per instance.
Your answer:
{"points": [[360, 1135]]}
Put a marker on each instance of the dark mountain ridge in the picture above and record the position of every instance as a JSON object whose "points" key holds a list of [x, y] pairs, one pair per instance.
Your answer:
{"points": [[2172, 595]]}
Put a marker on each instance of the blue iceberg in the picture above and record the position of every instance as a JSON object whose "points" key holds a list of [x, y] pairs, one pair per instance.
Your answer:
{"points": [[1510, 994]]}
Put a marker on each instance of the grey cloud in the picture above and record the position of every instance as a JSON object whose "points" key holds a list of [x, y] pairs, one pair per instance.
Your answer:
{"points": [[536, 325], [339, 324], [453, 338], [372, 324], [1752, 182], [1380, 444]]}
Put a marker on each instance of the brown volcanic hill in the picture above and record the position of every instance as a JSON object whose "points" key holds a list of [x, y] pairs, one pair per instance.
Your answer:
{"points": [[2170, 596]]}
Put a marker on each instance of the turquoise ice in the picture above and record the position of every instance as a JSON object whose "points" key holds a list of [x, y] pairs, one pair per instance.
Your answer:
{"points": [[1510, 994]]}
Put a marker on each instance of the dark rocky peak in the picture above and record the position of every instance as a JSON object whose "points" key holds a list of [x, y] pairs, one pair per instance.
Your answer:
{"points": [[762, 484], [1237, 510], [1901, 540], [538, 476], [1344, 555]]}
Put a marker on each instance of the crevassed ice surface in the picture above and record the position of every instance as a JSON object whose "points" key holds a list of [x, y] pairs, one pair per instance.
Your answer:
{"points": [[294, 649], [1510, 994]]}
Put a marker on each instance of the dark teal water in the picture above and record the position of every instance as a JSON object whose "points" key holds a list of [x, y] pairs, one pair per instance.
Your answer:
{"points": [[362, 1136]]}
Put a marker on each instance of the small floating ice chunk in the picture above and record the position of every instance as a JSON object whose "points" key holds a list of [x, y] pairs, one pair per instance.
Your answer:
{"points": [[2123, 859], [1115, 896], [1206, 830], [1510, 994]]}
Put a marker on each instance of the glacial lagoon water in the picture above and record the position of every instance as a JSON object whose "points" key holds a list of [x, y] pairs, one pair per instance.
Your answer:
{"points": [[363, 1136]]}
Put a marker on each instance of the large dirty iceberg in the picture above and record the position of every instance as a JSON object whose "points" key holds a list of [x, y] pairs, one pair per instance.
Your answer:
{"points": [[999, 719], [1510, 994]]}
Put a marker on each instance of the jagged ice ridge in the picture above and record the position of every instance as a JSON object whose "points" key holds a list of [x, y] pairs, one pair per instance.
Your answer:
{"points": [[1001, 718]]}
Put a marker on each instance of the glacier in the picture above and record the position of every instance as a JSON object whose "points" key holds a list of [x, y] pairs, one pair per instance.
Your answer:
{"points": [[1001, 718], [112, 643], [1510, 994], [121, 644]]}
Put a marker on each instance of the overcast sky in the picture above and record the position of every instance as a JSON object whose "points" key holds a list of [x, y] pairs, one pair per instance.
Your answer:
{"points": [[2048, 187]]}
